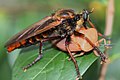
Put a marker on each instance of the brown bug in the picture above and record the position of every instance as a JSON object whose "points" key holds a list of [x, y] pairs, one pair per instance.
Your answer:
{"points": [[84, 41], [63, 23]]}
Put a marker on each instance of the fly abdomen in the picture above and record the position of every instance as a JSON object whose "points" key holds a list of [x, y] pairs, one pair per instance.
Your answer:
{"points": [[16, 45], [28, 42], [21, 44], [32, 41]]}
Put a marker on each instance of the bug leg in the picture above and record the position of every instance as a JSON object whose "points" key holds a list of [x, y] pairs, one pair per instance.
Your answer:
{"points": [[107, 44], [72, 57], [95, 53], [77, 55], [36, 60]]}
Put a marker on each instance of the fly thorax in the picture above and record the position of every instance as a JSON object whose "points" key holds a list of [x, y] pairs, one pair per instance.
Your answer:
{"points": [[80, 22]]}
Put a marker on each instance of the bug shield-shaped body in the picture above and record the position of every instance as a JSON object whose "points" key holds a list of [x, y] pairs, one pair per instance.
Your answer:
{"points": [[78, 42]]}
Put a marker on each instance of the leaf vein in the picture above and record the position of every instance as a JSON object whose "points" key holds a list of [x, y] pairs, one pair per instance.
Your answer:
{"points": [[45, 66]]}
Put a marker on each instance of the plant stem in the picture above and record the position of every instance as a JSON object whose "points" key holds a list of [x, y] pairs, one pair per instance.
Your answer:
{"points": [[108, 32]]}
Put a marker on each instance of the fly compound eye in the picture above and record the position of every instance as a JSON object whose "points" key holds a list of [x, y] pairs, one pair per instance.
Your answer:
{"points": [[85, 15]]}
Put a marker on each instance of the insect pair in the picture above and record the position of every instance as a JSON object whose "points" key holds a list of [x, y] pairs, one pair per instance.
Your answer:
{"points": [[65, 25]]}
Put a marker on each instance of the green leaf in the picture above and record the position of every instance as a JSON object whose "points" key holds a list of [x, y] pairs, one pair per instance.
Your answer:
{"points": [[53, 66]]}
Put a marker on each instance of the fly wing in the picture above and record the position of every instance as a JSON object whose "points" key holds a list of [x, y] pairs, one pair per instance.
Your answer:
{"points": [[37, 28]]}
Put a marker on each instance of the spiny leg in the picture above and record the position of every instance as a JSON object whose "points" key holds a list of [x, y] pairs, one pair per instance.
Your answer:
{"points": [[40, 52], [102, 55], [92, 25], [36, 60], [72, 57]]}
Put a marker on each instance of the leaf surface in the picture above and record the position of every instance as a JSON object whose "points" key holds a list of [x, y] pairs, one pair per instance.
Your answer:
{"points": [[53, 66]]}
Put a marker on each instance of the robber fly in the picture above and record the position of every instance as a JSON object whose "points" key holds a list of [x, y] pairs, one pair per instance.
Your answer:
{"points": [[63, 23]]}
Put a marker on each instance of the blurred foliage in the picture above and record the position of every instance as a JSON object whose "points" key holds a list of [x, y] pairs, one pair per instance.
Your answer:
{"points": [[16, 15]]}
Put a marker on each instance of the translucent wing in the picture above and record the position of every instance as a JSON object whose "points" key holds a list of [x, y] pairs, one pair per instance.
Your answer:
{"points": [[37, 28]]}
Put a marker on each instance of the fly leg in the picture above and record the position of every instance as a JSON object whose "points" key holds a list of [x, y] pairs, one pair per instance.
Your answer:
{"points": [[102, 55], [92, 25], [72, 57], [40, 52], [36, 60]]}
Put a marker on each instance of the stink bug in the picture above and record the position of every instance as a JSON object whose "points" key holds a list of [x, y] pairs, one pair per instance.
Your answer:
{"points": [[63, 23], [84, 41]]}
